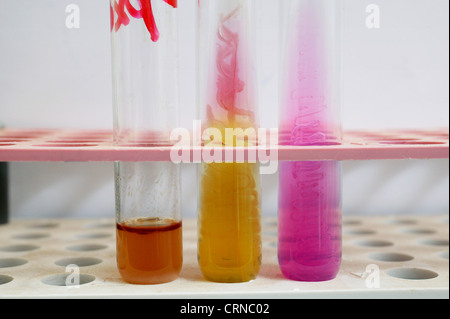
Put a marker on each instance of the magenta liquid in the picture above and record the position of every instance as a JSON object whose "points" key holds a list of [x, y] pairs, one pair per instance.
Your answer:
{"points": [[309, 243], [309, 212]]}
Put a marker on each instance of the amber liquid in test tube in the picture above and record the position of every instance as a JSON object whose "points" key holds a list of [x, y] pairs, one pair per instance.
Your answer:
{"points": [[145, 76], [149, 248], [229, 244]]}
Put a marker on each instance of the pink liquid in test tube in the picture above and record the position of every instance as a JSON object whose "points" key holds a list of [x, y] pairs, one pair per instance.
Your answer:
{"points": [[309, 243]]}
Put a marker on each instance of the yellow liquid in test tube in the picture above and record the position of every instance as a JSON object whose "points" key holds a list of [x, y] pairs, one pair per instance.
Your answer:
{"points": [[229, 248], [229, 229]]}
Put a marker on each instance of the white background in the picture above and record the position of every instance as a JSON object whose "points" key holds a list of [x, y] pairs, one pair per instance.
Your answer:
{"points": [[54, 77]]}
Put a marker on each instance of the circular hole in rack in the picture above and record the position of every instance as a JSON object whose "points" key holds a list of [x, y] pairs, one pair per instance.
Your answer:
{"points": [[418, 231], [62, 280], [351, 223], [442, 136], [444, 255], [87, 247], [89, 135], [390, 257], [44, 225], [18, 248], [93, 236], [78, 261], [413, 143], [19, 136], [25, 134], [359, 232], [76, 141], [102, 225], [31, 236], [396, 140], [403, 222], [412, 273], [272, 223], [270, 233], [273, 244], [373, 243], [5, 279], [12, 140], [66, 145], [11, 262], [146, 145], [435, 242]]}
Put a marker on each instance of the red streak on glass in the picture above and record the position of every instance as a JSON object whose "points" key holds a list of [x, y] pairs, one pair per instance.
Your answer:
{"points": [[149, 19], [122, 17], [132, 11], [145, 12], [111, 11], [229, 85]]}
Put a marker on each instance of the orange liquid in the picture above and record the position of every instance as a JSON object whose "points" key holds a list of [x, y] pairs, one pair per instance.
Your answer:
{"points": [[149, 251], [229, 246]]}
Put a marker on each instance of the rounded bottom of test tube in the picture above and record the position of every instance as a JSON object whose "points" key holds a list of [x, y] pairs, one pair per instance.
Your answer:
{"points": [[143, 279], [310, 273], [229, 278]]}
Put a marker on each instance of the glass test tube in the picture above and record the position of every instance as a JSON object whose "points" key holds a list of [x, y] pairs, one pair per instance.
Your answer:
{"points": [[229, 244], [4, 207], [4, 214], [309, 242], [145, 75]]}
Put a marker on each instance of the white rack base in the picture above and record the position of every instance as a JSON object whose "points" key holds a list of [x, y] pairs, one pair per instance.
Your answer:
{"points": [[411, 255]]}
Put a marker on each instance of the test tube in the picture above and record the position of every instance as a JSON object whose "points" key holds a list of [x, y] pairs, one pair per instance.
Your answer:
{"points": [[309, 233], [229, 243], [4, 214], [145, 97], [4, 207]]}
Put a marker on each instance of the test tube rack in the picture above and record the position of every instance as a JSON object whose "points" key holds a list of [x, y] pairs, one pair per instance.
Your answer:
{"points": [[64, 145], [383, 257]]}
